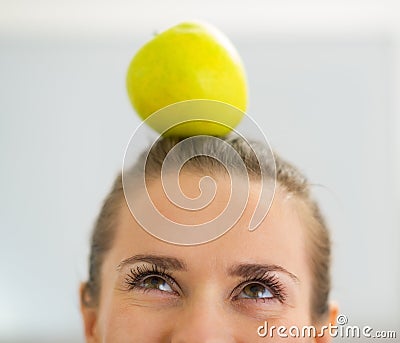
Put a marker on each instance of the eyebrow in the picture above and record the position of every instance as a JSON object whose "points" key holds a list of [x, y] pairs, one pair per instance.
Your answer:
{"points": [[165, 262], [243, 270], [254, 270]]}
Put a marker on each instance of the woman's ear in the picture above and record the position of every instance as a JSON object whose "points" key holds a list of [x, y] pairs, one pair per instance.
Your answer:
{"points": [[333, 312], [89, 315]]}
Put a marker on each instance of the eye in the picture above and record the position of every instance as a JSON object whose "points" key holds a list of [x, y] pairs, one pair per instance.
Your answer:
{"points": [[155, 282], [255, 291], [150, 278]]}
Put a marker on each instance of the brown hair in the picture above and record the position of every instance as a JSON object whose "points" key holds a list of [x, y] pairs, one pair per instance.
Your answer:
{"points": [[287, 176]]}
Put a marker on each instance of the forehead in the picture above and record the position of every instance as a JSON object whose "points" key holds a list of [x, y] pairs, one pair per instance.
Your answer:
{"points": [[280, 238]]}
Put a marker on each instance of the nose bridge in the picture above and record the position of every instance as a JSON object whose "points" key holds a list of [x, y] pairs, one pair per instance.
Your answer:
{"points": [[204, 318]]}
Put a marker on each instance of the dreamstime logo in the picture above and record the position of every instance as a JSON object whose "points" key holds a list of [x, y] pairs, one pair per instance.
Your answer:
{"points": [[199, 113], [341, 330]]}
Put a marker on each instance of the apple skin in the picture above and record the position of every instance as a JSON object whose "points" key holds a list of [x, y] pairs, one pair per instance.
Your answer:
{"points": [[192, 60]]}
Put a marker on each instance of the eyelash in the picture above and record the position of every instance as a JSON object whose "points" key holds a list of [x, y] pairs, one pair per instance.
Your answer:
{"points": [[268, 280], [137, 275]]}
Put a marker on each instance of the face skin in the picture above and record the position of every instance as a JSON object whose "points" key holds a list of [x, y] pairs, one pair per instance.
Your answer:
{"points": [[218, 292]]}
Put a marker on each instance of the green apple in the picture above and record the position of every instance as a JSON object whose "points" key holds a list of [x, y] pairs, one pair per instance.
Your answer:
{"points": [[192, 60]]}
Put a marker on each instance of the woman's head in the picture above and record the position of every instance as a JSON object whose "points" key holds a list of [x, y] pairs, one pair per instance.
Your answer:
{"points": [[143, 289]]}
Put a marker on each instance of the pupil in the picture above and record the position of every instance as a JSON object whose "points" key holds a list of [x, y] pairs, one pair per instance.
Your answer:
{"points": [[154, 282], [256, 291]]}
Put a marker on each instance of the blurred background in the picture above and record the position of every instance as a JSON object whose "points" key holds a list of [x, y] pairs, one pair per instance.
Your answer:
{"points": [[324, 78]]}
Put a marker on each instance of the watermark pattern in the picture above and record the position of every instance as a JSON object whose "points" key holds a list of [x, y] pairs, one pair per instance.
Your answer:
{"points": [[200, 113], [341, 330]]}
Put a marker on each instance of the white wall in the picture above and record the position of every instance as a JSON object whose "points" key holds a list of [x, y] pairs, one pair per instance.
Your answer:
{"points": [[327, 99]]}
